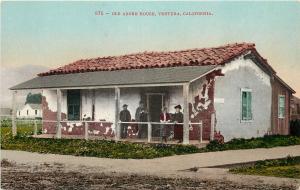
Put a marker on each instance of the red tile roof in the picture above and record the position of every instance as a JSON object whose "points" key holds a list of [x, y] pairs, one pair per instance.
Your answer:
{"points": [[205, 56]]}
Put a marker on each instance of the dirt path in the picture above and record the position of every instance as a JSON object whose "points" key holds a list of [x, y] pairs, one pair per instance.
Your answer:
{"points": [[58, 176], [85, 169], [158, 165]]}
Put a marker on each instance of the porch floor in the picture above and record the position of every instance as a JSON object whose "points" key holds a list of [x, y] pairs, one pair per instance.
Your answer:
{"points": [[133, 140]]}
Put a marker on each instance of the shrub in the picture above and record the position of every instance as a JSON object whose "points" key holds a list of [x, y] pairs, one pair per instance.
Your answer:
{"points": [[295, 127]]}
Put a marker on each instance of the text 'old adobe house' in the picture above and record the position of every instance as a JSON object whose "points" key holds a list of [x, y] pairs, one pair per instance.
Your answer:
{"points": [[231, 89]]}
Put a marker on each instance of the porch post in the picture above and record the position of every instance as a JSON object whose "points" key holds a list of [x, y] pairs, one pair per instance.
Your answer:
{"points": [[117, 112], [86, 130], [149, 132], [212, 128], [35, 127], [14, 113], [58, 116], [186, 114]]}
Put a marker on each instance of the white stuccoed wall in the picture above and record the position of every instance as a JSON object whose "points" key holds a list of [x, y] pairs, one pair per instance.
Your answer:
{"points": [[86, 103], [105, 101], [104, 104], [241, 73], [175, 98]]}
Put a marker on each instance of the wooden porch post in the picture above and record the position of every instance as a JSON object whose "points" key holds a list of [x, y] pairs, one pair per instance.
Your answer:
{"points": [[149, 132], [14, 113], [86, 130], [58, 116], [117, 112], [186, 114], [35, 127], [212, 128]]}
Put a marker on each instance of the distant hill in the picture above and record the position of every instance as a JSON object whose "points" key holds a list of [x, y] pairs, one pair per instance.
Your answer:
{"points": [[10, 76]]}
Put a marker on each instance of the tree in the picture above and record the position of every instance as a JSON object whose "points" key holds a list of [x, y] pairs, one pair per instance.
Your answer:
{"points": [[33, 98]]}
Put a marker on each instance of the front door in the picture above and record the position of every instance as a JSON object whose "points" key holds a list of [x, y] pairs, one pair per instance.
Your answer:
{"points": [[155, 104]]}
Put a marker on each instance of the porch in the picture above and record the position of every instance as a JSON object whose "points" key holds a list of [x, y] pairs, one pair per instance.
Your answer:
{"points": [[93, 111]]}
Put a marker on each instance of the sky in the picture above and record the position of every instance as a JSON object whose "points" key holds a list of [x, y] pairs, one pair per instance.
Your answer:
{"points": [[52, 34]]}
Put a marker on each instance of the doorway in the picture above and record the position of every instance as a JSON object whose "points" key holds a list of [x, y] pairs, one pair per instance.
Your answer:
{"points": [[155, 102]]}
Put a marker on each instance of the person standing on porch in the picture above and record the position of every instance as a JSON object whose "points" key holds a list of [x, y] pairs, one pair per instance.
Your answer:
{"points": [[124, 117], [143, 128], [164, 129], [139, 111], [178, 128], [139, 116]]}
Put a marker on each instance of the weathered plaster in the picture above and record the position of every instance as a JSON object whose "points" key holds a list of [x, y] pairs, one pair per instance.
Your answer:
{"points": [[200, 98], [86, 102], [50, 96], [241, 63], [201, 106], [240, 74]]}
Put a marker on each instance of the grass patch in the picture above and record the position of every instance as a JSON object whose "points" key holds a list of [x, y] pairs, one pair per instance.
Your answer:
{"points": [[80, 147], [259, 142], [125, 150], [288, 167]]}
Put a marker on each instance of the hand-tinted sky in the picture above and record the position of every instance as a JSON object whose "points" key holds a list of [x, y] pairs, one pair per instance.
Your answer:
{"points": [[57, 33]]}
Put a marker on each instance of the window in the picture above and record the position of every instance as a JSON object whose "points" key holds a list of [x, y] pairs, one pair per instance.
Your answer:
{"points": [[27, 112], [73, 102], [19, 112], [35, 111], [281, 106], [246, 104]]}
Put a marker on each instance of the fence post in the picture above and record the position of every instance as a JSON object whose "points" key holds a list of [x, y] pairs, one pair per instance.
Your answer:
{"points": [[149, 132], [86, 131], [35, 128], [212, 127], [14, 114]]}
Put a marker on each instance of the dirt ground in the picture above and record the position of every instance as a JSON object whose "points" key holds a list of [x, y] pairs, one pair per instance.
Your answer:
{"points": [[58, 176]]}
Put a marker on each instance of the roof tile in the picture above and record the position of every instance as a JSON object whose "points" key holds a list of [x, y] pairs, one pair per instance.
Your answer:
{"points": [[204, 56]]}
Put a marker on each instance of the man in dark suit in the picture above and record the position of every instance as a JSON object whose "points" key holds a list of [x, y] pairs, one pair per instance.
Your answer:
{"points": [[124, 117], [178, 128]]}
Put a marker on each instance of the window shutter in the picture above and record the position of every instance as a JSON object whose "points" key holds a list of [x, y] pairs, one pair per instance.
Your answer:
{"points": [[249, 101], [281, 106], [244, 105]]}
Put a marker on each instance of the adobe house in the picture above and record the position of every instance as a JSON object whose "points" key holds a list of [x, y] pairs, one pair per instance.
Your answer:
{"points": [[231, 89]]}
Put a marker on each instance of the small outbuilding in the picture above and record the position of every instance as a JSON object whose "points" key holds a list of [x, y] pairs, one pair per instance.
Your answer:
{"points": [[30, 111]]}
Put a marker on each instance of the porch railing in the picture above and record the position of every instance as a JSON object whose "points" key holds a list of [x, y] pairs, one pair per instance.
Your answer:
{"points": [[149, 127], [86, 124]]}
